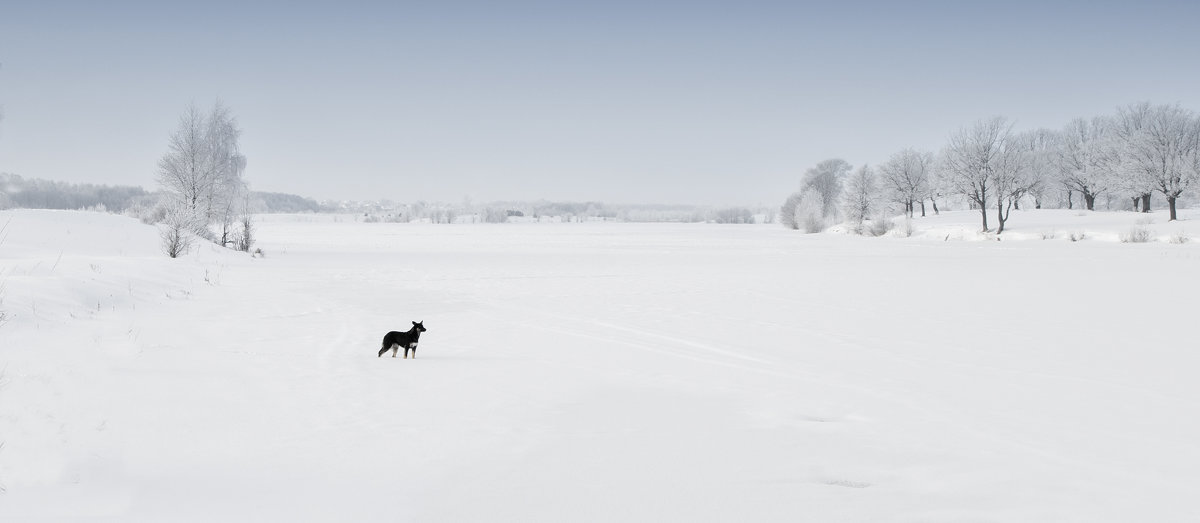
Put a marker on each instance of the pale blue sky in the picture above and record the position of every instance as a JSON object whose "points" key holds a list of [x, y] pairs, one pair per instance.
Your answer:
{"points": [[680, 102]]}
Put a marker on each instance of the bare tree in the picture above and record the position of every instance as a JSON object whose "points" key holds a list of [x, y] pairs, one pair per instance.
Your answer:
{"points": [[1083, 159], [862, 195], [1133, 173], [1012, 175], [908, 175], [1161, 147], [203, 168], [971, 159], [187, 171], [1037, 149], [824, 181]]}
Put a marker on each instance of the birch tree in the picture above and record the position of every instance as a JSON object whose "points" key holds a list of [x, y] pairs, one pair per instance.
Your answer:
{"points": [[203, 168], [861, 196]]}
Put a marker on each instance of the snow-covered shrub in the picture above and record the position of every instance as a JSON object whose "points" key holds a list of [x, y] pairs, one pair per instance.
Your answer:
{"points": [[244, 239], [1136, 234], [814, 223], [880, 226], [148, 209], [907, 228], [178, 232], [1077, 236], [803, 211], [810, 213], [1049, 235], [787, 213], [1180, 238]]}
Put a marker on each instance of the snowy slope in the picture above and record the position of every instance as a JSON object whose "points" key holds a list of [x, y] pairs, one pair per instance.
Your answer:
{"points": [[598, 372]]}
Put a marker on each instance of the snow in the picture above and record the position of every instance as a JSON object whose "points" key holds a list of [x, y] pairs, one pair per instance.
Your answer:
{"points": [[600, 372]]}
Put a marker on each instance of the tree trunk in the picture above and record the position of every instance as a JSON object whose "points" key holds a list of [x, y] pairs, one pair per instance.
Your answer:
{"points": [[922, 208], [1136, 199], [1000, 215], [934, 203], [1090, 201], [1171, 204], [1146, 202], [983, 214], [1070, 199]]}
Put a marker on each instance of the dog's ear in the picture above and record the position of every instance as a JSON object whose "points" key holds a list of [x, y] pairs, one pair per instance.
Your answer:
{"points": [[414, 323]]}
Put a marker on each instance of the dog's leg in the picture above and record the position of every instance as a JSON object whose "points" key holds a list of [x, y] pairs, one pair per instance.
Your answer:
{"points": [[394, 346], [381, 351]]}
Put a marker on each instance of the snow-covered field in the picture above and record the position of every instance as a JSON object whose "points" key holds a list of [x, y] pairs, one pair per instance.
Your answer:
{"points": [[601, 372]]}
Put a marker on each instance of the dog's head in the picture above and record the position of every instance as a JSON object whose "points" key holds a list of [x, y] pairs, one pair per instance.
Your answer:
{"points": [[417, 325]]}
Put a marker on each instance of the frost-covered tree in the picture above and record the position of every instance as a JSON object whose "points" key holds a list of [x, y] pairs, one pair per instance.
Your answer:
{"points": [[228, 194], [817, 201], [203, 168], [862, 196], [186, 170], [1013, 175], [971, 159], [1133, 176], [824, 181], [907, 174], [1037, 150], [1160, 148], [787, 213], [1083, 160]]}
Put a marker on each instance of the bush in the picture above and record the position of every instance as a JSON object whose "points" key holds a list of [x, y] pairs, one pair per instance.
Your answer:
{"points": [[907, 229], [244, 239], [177, 234], [880, 226], [813, 224], [1049, 235], [1136, 234], [1180, 238], [1077, 236]]}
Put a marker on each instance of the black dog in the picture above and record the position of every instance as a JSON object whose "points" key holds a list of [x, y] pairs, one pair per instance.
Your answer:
{"points": [[406, 339]]}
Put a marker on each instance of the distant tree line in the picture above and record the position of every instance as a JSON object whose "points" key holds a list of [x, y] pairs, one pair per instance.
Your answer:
{"points": [[277, 202], [1141, 151], [18, 192], [502, 212], [32, 193]]}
